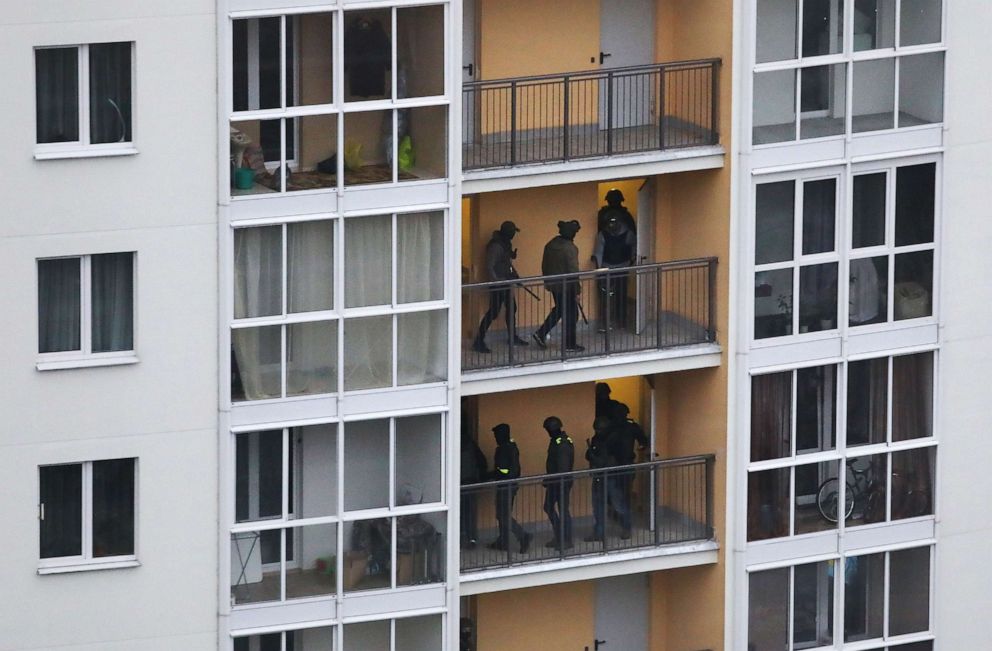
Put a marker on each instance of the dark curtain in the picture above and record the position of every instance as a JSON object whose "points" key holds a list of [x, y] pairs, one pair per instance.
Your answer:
{"points": [[771, 416], [62, 499], [912, 396], [57, 94], [113, 507], [768, 504], [58, 305], [867, 398], [112, 302], [110, 92]]}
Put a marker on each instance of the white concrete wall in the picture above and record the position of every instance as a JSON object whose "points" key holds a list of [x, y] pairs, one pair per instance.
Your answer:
{"points": [[160, 203], [964, 575]]}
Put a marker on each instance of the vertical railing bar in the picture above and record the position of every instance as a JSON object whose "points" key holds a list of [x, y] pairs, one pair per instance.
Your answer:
{"points": [[566, 122], [513, 123]]}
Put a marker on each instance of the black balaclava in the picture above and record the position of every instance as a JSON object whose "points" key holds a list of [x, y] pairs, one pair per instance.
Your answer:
{"points": [[552, 425], [569, 229], [602, 390], [614, 197], [502, 434]]}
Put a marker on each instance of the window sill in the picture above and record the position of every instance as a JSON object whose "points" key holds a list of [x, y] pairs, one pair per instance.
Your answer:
{"points": [[87, 566], [85, 152], [85, 362]]}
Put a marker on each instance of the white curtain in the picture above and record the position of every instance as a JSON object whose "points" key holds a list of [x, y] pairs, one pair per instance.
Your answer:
{"points": [[311, 358], [368, 353], [420, 257], [422, 344], [257, 353], [310, 266], [258, 292], [368, 266], [113, 302], [58, 305]]}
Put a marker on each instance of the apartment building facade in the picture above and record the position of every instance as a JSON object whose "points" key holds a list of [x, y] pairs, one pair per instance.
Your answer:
{"points": [[794, 325]]}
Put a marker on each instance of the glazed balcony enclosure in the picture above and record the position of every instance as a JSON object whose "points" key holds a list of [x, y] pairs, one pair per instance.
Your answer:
{"points": [[643, 505], [646, 307], [572, 116]]}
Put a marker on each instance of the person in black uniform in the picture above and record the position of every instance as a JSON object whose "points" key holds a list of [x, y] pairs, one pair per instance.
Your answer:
{"points": [[561, 256], [507, 466], [626, 432], [473, 470], [561, 459], [598, 456], [614, 208], [499, 266], [604, 404], [616, 249]]}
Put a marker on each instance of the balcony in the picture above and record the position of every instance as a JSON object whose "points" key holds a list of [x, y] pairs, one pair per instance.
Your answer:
{"points": [[670, 503], [655, 112], [666, 306]]}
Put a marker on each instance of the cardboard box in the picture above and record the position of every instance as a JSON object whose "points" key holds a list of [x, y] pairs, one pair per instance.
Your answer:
{"points": [[355, 565]]}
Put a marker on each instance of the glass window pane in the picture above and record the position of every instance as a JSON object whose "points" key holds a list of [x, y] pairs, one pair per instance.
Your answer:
{"points": [[368, 353], [256, 64], [310, 49], [59, 305], [420, 257], [256, 363], [819, 215], [813, 599], [310, 639], [823, 27], [367, 561], [921, 89], [366, 465], [313, 165], [909, 591], [314, 470], [867, 400], [57, 94], [920, 22], [864, 500], [257, 272], [310, 266], [874, 24], [864, 596], [62, 500], [422, 347], [816, 409], [776, 30], [771, 416], [258, 475], [915, 203], [775, 208], [824, 103], [368, 254], [368, 148], [768, 504], [110, 92], [420, 51], [874, 95], [256, 157], [817, 497], [112, 302], [869, 210], [869, 291], [772, 303], [368, 55], [915, 646], [818, 297], [768, 610], [366, 636], [318, 552], [912, 483], [420, 548], [250, 582], [418, 460], [266, 642], [419, 634], [423, 142], [311, 358], [913, 285], [113, 507], [912, 396], [774, 107]]}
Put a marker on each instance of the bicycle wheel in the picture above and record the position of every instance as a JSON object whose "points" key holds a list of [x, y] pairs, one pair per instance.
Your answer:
{"points": [[826, 499]]}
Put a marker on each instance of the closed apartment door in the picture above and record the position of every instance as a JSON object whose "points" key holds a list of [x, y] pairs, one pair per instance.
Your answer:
{"points": [[626, 38], [622, 613]]}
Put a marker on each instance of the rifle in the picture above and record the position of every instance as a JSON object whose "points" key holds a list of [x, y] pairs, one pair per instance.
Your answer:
{"points": [[515, 275], [581, 311]]}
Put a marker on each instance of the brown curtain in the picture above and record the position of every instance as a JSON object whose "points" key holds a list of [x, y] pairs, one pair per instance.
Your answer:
{"points": [[771, 416], [912, 396]]}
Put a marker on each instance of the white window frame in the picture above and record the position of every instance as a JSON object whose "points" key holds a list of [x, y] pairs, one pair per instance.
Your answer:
{"points": [[86, 560], [83, 148], [85, 357]]}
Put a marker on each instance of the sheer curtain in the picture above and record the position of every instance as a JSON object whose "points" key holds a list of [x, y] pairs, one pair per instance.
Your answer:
{"points": [[420, 257], [110, 92], [57, 94], [257, 292], [367, 261], [113, 302], [310, 265], [422, 345], [58, 305]]}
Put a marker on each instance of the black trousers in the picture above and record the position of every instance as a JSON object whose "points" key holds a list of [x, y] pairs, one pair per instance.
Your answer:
{"points": [[556, 496], [497, 299], [566, 309], [505, 496], [469, 517], [613, 297]]}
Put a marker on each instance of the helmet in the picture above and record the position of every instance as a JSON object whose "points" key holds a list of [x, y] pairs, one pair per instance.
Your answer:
{"points": [[552, 423], [614, 195]]}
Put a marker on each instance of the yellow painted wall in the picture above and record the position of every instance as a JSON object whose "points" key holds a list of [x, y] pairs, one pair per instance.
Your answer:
{"points": [[547, 618]]}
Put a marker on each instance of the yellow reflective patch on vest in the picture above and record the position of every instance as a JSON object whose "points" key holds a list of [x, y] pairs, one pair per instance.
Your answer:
{"points": [[505, 472]]}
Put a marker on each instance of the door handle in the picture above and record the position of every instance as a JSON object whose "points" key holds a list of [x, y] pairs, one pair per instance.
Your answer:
{"points": [[602, 57], [600, 643], [470, 68]]}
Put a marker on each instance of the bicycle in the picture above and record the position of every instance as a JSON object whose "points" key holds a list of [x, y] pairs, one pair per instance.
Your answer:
{"points": [[862, 490]]}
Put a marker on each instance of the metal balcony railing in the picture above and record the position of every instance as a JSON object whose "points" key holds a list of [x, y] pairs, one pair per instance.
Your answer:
{"points": [[612, 510], [603, 312], [575, 115]]}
